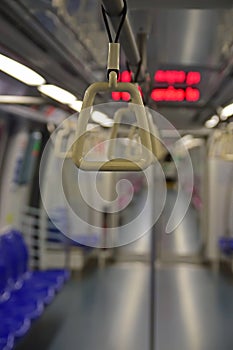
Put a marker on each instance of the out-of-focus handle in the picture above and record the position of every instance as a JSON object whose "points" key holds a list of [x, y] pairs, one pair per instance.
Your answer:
{"points": [[65, 133], [158, 149], [114, 132], [118, 164], [131, 136]]}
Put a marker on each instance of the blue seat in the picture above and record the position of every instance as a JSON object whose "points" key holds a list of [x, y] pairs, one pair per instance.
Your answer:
{"points": [[6, 339], [14, 323], [53, 275], [53, 278], [226, 245], [21, 288], [22, 293], [15, 298]]}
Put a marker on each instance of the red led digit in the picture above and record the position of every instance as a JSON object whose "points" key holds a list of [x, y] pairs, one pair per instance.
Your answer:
{"points": [[116, 96], [125, 96], [172, 94], [193, 78], [180, 95], [169, 77], [180, 77], [157, 94], [169, 94], [192, 95], [159, 76], [126, 76]]}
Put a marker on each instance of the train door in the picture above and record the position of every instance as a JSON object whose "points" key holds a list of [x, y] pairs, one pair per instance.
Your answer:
{"points": [[188, 240]]}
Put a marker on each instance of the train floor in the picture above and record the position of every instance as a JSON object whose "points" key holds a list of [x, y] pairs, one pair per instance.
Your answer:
{"points": [[107, 309]]}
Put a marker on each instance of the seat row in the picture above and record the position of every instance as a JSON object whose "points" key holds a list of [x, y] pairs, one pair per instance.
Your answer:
{"points": [[23, 293]]}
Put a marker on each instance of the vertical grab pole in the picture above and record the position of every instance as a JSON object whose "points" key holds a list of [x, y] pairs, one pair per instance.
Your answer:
{"points": [[152, 292]]}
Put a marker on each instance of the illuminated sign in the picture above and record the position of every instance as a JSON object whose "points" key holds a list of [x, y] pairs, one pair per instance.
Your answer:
{"points": [[176, 86], [170, 86]]}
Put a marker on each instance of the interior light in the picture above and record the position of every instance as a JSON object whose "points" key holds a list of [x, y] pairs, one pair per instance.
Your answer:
{"points": [[102, 119], [212, 122], [226, 112], [189, 142], [186, 139], [108, 123], [57, 93], [91, 126], [76, 105], [20, 72]]}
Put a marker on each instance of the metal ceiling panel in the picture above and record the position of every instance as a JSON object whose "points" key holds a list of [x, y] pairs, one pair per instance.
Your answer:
{"points": [[182, 4]]}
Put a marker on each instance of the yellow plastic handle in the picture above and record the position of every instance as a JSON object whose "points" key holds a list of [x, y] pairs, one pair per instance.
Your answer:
{"points": [[118, 164]]}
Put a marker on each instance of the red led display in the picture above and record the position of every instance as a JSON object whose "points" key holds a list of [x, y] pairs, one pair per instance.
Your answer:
{"points": [[177, 77], [172, 94], [188, 92]]}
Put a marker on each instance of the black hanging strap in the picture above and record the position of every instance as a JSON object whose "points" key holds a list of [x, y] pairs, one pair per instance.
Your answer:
{"points": [[136, 75], [137, 71], [122, 15]]}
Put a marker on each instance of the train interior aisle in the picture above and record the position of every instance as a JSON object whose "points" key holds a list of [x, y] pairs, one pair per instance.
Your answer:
{"points": [[116, 175]]}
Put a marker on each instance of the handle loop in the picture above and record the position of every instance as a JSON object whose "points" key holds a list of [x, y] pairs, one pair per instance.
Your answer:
{"points": [[117, 164]]}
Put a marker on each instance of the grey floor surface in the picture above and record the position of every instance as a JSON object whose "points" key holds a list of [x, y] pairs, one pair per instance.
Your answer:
{"points": [[108, 310]]}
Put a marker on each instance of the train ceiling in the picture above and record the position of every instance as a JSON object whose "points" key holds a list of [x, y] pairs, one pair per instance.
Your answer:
{"points": [[65, 41]]}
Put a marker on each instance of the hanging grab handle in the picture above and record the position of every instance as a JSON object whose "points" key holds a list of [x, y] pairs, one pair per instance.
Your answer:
{"points": [[118, 164]]}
